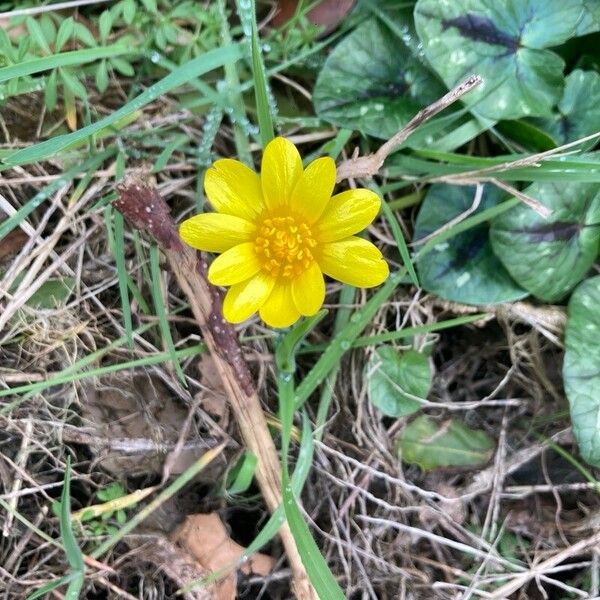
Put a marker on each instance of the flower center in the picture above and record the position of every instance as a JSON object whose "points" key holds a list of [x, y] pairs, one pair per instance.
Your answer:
{"points": [[283, 246]]}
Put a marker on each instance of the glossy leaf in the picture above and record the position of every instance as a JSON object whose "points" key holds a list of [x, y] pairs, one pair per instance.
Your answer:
{"points": [[549, 257], [396, 380], [590, 20], [463, 269], [579, 109], [581, 369], [372, 82], [432, 445], [504, 42]]}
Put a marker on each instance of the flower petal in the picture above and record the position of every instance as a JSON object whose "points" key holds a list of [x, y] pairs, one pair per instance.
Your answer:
{"points": [[314, 189], [353, 261], [234, 189], [346, 214], [308, 290], [213, 232], [279, 310], [280, 171], [244, 299], [237, 264]]}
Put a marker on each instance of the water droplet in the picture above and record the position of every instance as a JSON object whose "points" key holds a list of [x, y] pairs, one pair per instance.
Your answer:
{"points": [[345, 345], [355, 318], [155, 57]]}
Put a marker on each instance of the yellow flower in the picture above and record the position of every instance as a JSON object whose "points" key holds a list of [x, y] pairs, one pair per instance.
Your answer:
{"points": [[280, 231]]}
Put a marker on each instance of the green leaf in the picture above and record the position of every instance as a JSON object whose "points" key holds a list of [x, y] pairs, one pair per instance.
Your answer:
{"points": [[261, 86], [463, 269], [581, 369], [72, 550], [77, 57], [150, 6], [122, 66], [52, 293], [373, 83], [36, 33], [316, 567], [550, 256], [430, 445], [579, 109], [129, 10], [590, 20], [105, 25], [101, 77], [72, 83], [48, 28], [83, 34], [395, 379], [504, 42], [526, 134], [50, 91], [240, 477], [65, 31]]}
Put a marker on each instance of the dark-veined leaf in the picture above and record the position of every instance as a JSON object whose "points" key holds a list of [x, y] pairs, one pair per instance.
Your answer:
{"points": [[581, 369], [579, 109], [507, 44], [550, 256], [373, 82], [464, 268]]}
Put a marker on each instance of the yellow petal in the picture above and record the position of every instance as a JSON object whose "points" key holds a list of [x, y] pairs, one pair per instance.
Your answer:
{"points": [[308, 290], [314, 189], [213, 232], [280, 171], [346, 214], [279, 310], [244, 299], [237, 264], [353, 261], [234, 189]]}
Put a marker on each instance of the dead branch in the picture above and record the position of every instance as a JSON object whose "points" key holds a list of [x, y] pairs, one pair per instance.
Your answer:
{"points": [[368, 166], [144, 208]]}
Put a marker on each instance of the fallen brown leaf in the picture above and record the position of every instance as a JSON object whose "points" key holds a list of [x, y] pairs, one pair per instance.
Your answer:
{"points": [[135, 422], [205, 537], [328, 13], [12, 242]]}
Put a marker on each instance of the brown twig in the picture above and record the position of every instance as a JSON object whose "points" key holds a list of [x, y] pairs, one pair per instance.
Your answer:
{"points": [[368, 166], [585, 545], [144, 208]]}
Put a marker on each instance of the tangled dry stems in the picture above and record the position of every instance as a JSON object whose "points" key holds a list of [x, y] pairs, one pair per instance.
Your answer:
{"points": [[388, 530]]}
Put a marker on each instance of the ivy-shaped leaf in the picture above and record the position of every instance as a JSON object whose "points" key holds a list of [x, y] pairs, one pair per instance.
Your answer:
{"points": [[372, 82], [396, 379], [550, 256], [464, 268], [504, 42], [581, 369], [430, 445], [579, 109]]}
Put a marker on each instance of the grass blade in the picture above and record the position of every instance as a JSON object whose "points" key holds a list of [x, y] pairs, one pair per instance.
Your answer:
{"points": [[161, 312], [193, 68], [388, 213], [72, 550], [88, 166], [119, 253], [65, 59], [261, 92]]}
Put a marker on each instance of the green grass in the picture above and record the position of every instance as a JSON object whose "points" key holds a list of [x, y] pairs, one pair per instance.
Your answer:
{"points": [[216, 85]]}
